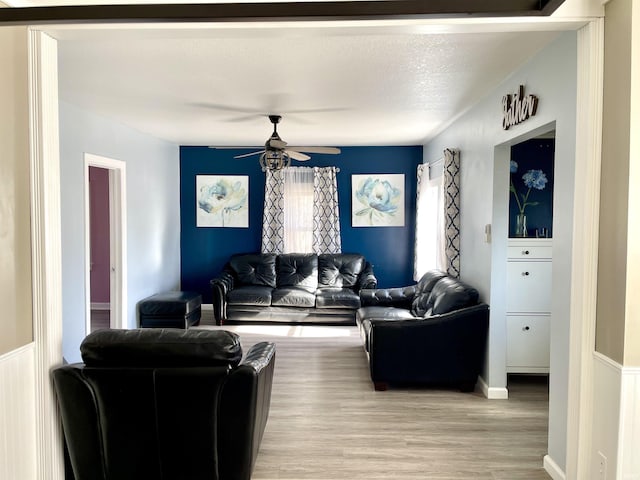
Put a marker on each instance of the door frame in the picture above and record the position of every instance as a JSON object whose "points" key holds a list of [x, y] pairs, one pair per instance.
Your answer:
{"points": [[117, 239], [47, 251]]}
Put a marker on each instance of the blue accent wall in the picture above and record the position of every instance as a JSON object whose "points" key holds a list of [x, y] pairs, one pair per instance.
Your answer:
{"points": [[204, 251]]}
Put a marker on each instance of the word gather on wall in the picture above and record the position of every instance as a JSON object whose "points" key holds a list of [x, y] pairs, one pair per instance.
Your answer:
{"points": [[517, 108]]}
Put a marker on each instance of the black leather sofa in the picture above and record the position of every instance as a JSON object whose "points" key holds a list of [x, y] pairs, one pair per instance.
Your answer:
{"points": [[433, 332], [165, 404], [294, 288]]}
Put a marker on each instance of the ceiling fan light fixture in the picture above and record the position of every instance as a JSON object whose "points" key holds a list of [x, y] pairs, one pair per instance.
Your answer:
{"points": [[274, 160]]}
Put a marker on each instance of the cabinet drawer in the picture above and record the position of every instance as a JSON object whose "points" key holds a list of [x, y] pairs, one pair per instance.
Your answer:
{"points": [[524, 252], [527, 342], [529, 287]]}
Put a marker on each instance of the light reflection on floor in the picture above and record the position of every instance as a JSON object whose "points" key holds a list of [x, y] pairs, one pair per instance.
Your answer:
{"points": [[303, 331]]}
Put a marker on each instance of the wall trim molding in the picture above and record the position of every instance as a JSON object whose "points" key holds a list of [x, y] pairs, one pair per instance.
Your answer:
{"points": [[553, 469], [46, 247], [492, 393], [608, 361], [584, 269], [100, 306], [17, 352]]}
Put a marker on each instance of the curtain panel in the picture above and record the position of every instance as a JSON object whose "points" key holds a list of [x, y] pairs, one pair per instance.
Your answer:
{"points": [[326, 214], [430, 232], [452, 210], [273, 213], [437, 242]]}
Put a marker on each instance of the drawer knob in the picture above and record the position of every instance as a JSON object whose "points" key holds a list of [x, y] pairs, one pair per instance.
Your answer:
{"points": [[525, 252], [525, 274], [526, 328]]}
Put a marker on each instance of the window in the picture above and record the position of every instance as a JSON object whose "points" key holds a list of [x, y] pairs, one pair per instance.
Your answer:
{"points": [[298, 210]]}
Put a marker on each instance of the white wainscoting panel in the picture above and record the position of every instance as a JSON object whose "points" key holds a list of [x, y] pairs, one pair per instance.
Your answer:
{"points": [[628, 458], [17, 415], [606, 415]]}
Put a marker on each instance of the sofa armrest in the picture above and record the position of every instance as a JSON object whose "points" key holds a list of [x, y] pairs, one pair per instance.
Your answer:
{"points": [[400, 297], [446, 348], [245, 404], [220, 286], [259, 356], [366, 279]]}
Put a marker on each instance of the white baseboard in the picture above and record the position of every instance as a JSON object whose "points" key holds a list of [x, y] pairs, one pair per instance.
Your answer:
{"points": [[553, 469], [492, 393], [100, 306]]}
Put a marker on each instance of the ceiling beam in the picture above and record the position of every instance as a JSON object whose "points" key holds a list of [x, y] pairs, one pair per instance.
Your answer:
{"points": [[277, 11]]}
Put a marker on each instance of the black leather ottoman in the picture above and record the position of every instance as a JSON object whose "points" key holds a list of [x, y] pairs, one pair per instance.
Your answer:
{"points": [[170, 310]]}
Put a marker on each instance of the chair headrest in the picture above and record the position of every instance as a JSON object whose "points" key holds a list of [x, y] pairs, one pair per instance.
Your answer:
{"points": [[161, 348]]}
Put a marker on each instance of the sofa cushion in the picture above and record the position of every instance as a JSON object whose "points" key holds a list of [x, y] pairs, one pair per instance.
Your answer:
{"points": [[293, 297], [420, 305], [428, 280], [365, 315], [258, 295], [339, 269], [298, 270], [160, 348], [450, 294], [383, 313], [337, 298], [255, 268]]}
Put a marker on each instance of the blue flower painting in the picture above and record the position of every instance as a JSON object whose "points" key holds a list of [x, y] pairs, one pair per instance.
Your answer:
{"points": [[377, 200], [222, 201]]}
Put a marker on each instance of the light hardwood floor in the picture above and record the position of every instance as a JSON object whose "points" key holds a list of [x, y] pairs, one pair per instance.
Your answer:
{"points": [[327, 422]]}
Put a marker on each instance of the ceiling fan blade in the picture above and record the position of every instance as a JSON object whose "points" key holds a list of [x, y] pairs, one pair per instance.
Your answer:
{"points": [[297, 155], [327, 150], [249, 154], [275, 143], [237, 147]]}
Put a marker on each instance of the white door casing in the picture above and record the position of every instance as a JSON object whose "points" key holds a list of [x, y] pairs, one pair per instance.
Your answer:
{"points": [[117, 238]]}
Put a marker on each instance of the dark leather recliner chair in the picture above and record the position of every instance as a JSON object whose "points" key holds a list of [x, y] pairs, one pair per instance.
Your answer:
{"points": [[165, 404]]}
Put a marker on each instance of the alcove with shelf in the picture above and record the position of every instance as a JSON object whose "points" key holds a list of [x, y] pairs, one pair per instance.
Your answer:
{"points": [[529, 255]]}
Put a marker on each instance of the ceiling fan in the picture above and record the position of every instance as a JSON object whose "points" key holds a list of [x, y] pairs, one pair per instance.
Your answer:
{"points": [[277, 154]]}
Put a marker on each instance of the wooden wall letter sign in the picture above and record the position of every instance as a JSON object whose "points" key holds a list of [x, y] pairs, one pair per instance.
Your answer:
{"points": [[517, 108]]}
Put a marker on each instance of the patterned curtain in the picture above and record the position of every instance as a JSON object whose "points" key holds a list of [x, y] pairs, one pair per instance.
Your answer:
{"points": [[326, 215], [273, 214], [452, 210]]}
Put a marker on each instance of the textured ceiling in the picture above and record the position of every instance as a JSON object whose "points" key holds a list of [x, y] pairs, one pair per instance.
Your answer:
{"points": [[214, 85]]}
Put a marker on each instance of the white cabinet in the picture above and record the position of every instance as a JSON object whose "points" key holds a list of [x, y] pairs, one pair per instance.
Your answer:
{"points": [[528, 305]]}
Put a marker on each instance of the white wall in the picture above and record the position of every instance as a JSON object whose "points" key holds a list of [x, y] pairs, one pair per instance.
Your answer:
{"points": [[551, 75], [153, 213]]}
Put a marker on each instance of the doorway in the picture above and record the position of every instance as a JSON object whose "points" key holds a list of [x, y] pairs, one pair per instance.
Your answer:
{"points": [[105, 243]]}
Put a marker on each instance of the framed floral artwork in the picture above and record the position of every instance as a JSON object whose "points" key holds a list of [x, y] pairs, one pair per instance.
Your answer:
{"points": [[222, 201], [377, 200]]}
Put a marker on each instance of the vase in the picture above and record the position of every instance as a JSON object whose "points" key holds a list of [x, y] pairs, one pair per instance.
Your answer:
{"points": [[521, 225]]}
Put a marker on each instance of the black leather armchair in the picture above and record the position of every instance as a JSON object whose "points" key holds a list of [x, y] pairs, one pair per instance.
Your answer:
{"points": [[165, 404], [433, 332]]}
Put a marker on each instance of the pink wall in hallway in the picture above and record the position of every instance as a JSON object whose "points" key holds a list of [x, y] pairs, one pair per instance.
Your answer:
{"points": [[99, 212]]}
